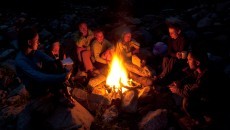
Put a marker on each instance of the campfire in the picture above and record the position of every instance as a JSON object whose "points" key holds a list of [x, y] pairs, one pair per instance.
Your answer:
{"points": [[117, 78]]}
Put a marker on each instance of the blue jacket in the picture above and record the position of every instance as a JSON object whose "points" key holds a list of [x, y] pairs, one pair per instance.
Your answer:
{"points": [[29, 69]]}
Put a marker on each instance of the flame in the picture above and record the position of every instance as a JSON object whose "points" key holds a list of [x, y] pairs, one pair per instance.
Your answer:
{"points": [[117, 74]]}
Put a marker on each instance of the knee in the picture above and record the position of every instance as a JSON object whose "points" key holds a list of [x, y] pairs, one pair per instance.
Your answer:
{"points": [[185, 105], [86, 54]]}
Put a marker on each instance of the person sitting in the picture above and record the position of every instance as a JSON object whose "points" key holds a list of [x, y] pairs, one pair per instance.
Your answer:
{"points": [[29, 65], [83, 42], [126, 46], [196, 89], [83, 39], [173, 61], [55, 51], [102, 50]]}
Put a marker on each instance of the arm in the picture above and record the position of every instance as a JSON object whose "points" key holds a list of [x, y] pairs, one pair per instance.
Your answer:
{"points": [[89, 38], [33, 73], [175, 47], [170, 49], [96, 49], [39, 76], [136, 47], [186, 91], [44, 57]]}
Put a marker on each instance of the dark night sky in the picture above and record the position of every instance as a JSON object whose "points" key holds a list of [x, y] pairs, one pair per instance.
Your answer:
{"points": [[136, 7]]}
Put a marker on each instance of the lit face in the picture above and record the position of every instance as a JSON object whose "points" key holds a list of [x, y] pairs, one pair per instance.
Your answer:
{"points": [[174, 33], [193, 64], [34, 43], [100, 37], [83, 29], [56, 47], [127, 37]]}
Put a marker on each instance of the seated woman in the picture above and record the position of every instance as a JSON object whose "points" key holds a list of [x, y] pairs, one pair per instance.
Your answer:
{"points": [[30, 68], [127, 46], [54, 50]]}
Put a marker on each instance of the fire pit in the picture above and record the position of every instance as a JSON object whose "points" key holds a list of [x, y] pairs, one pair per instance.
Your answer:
{"points": [[117, 81]]}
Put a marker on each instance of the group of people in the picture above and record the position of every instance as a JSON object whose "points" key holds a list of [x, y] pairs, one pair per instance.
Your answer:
{"points": [[43, 73], [95, 51]]}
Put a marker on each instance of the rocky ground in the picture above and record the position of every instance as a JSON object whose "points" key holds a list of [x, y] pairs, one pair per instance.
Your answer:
{"points": [[207, 25]]}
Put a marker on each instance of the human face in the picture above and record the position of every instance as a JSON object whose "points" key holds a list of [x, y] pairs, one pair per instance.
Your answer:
{"points": [[100, 37], [174, 33], [127, 37], [83, 29], [193, 64], [56, 47], [34, 43]]}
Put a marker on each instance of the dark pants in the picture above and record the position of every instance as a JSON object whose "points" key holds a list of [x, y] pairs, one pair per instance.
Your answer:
{"points": [[172, 66]]}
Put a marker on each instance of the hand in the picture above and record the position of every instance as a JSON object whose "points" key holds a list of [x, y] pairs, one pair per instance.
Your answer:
{"points": [[68, 75], [135, 51], [173, 84], [179, 55], [173, 89]]}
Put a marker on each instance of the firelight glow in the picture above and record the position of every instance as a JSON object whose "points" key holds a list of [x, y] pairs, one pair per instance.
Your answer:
{"points": [[117, 74]]}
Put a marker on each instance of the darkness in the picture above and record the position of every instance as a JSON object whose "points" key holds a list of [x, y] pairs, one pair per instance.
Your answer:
{"points": [[133, 7]]}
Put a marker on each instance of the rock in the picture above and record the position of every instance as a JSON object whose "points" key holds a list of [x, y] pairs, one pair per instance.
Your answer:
{"points": [[55, 117], [75, 118], [131, 20], [20, 90], [6, 53], [204, 22], [145, 81], [160, 48], [154, 120], [145, 95], [129, 101], [110, 114], [93, 82]]}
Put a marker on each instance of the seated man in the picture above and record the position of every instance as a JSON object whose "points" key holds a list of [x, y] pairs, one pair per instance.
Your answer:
{"points": [[196, 89], [102, 50], [83, 38], [172, 61]]}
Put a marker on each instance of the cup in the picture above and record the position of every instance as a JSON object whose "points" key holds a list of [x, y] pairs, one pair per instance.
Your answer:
{"points": [[184, 54]]}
